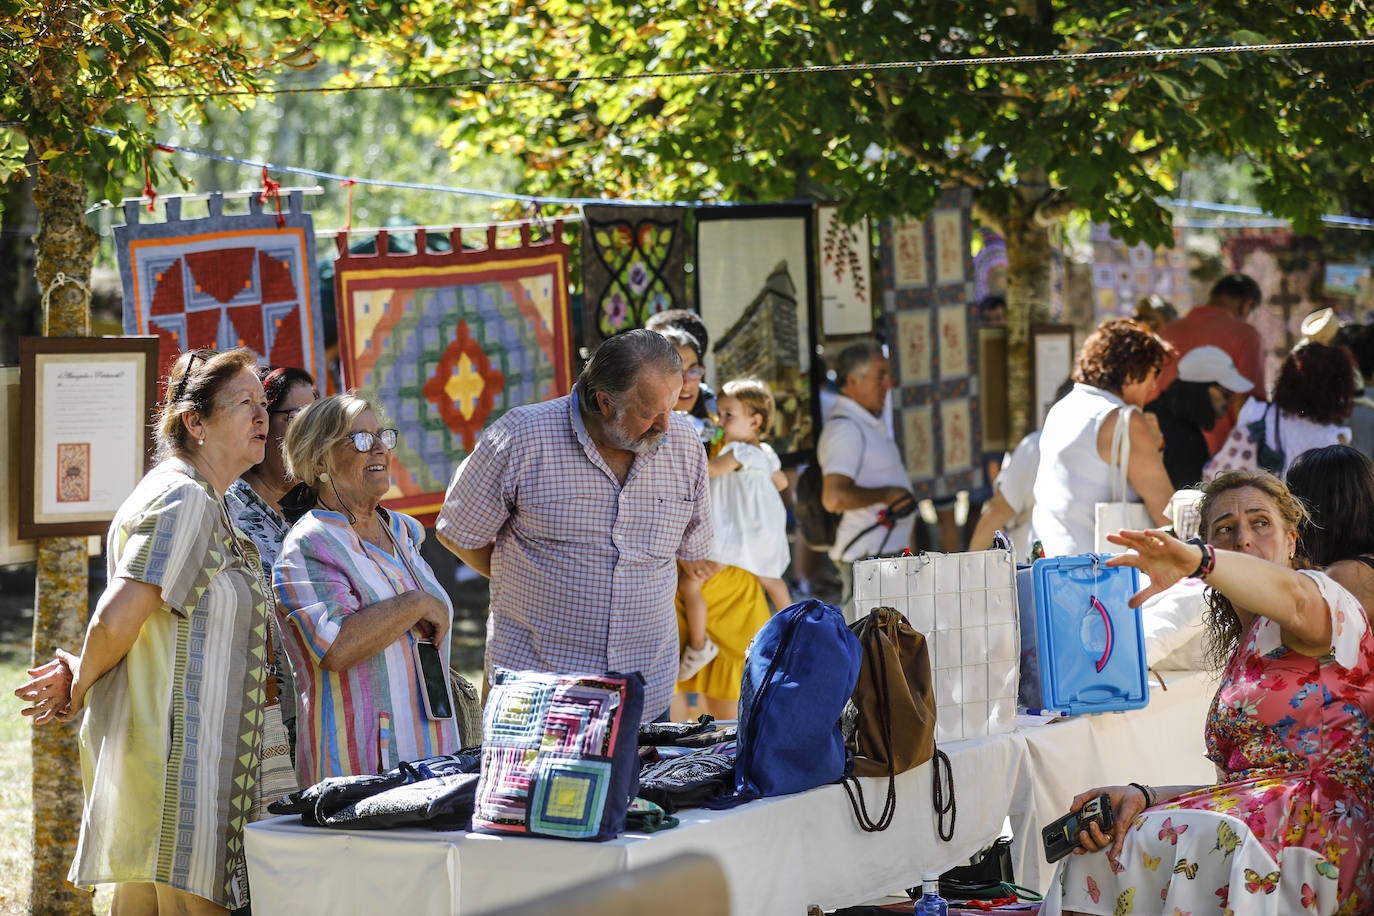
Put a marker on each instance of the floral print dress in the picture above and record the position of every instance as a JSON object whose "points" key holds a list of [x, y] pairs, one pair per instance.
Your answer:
{"points": [[1288, 829]]}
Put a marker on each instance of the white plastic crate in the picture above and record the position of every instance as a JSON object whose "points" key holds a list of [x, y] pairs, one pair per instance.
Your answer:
{"points": [[965, 604]]}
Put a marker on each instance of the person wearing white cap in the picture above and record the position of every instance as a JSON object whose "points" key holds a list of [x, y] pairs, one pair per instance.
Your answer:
{"points": [[1222, 321], [1190, 406]]}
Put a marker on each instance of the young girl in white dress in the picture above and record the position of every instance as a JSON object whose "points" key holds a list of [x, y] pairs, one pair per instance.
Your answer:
{"points": [[748, 516]]}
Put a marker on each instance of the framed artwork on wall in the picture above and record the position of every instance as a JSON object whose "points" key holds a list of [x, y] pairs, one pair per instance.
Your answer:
{"points": [[85, 434]]}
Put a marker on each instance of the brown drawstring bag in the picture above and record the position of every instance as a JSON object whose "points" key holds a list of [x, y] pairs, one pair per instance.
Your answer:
{"points": [[893, 715]]}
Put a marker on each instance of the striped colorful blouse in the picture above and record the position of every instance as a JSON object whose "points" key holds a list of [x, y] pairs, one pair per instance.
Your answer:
{"points": [[369, 717]]}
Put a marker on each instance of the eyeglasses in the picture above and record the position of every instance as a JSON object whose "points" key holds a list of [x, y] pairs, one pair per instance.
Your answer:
{"points": [[694, 372], [289, 414], [364, 440], [204, 356]]}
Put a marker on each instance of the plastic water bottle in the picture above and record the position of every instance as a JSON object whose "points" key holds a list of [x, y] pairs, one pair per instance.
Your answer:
{"points": [[931, 903]]}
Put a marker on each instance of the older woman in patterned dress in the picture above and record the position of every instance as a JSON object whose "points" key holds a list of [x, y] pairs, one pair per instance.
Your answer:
{"points": [[166, 685]]}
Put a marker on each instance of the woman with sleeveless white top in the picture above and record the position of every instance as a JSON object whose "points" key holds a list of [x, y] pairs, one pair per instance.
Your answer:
{"points": [[1117, 368]]}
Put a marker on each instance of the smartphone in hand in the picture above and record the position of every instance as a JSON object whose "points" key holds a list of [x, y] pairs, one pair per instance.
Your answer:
{"points": [[1061, 837], [433, 680]]}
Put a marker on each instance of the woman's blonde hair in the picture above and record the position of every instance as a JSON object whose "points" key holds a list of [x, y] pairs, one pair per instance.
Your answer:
{"points": [[311, 437], [192, 387], [753, 393], [1222, 624]]}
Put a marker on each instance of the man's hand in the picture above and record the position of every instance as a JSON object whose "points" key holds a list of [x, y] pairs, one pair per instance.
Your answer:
{"points": [[700, 570]]}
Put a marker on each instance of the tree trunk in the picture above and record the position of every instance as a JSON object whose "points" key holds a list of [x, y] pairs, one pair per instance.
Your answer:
{"points": [[1030, 270], [66, 248]]}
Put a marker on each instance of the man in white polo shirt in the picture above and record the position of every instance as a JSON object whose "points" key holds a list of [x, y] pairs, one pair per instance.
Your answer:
{"points": [[862, 467]]}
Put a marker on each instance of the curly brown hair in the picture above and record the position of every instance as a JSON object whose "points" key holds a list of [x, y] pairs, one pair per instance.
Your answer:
{"points": [[1317, 382], [1220, 620], [1119, 352]]}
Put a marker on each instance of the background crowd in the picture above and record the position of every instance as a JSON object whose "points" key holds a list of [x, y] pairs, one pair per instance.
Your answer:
{"points": [[266, 618]]}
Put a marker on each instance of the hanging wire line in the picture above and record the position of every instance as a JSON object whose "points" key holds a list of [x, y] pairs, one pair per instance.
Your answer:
{"points": [[403, 185], [190, 92], [1353, 222]]}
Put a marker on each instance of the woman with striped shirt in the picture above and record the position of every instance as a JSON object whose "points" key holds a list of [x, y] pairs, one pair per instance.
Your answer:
{"points": [[354, 598]]}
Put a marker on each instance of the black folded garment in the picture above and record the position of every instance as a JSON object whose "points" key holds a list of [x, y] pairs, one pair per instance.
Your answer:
{"points": [[669, 734], [687, 781], [441, 803], [337, 801]]}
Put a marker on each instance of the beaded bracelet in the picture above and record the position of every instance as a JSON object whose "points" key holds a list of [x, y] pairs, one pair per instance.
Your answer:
{"points": [[1147, 792], [1208, 561]]}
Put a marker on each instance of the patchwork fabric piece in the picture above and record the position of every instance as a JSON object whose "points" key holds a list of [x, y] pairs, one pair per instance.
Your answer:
{"points": [[990, 266], [754, 270], [633, 266], [1122, 275], [448, 342], [928, 306], [223, 280], [559, 756]]}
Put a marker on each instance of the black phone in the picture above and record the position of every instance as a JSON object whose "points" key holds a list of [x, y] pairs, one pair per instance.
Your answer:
{"points": [[1061, 837], [433, 680]]}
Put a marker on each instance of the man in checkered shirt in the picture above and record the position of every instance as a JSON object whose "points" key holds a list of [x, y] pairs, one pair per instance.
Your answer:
{"points": [[578, 510]]}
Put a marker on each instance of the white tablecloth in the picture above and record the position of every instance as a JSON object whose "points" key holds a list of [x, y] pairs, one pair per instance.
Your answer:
{"points": [[1161, 744], [778, 854]]}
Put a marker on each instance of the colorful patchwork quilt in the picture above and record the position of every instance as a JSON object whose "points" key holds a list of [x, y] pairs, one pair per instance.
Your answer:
{"points": [[448, 342], [223, 280], [929, 310], [633, 266], [559, 755]]}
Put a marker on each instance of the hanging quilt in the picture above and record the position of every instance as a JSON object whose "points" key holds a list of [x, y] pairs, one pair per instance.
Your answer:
{"points": [[223, 280], [448, 342], [1123, 275], [633, 266], [755, 283], [927, 278]]}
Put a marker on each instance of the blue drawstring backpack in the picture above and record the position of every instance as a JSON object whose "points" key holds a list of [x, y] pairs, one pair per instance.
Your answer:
{"points": [[799, 672]]}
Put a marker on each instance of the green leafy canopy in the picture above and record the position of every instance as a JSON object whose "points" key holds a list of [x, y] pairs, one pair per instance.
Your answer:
{"points": [[1107, 136]]}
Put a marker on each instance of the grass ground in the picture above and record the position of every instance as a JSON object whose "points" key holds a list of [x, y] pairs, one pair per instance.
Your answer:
{"points": [[16, 809]]}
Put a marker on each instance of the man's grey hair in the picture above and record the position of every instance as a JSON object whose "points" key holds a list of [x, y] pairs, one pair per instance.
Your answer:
{"points": [[615, 365], [854, 358]]}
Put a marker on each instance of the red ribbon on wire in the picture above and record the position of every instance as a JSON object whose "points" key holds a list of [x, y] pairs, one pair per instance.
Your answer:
{"points": [[148, 190], [272, 188], [348, 216]]}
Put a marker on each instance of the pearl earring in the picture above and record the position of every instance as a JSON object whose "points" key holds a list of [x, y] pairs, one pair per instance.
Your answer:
{"points": [[324, 477], [201, 441]]}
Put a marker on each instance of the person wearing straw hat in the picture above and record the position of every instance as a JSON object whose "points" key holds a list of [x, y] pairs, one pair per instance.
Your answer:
{"points": [[1320, 327], [1191, 405], [1221, 322]]}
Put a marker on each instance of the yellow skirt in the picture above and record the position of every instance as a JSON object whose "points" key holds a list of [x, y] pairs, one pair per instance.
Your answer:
{"points": [[735, 610]]}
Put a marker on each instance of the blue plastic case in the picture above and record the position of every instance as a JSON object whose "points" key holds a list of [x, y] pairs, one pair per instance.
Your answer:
{"points": [[1082, 645]]}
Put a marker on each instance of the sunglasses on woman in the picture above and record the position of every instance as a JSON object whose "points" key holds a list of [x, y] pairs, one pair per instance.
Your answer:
{"points": [[204, 356], [364, 440]]}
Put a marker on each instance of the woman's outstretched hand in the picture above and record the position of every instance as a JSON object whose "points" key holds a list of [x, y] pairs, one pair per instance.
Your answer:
{"points": [[1127, 802], [49, 692], [1158, 554]]}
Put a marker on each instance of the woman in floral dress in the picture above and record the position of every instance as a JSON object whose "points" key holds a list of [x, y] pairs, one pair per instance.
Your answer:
{"points": [[1287, 828]]}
